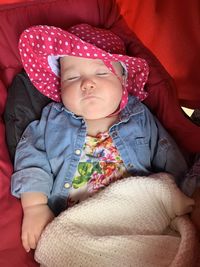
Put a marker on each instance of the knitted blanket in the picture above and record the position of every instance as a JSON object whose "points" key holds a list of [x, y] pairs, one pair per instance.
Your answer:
{"points": [[137, 221]]}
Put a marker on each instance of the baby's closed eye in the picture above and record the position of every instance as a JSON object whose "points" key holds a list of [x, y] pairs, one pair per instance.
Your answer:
{"points": [[72, 78], [102, 73]]}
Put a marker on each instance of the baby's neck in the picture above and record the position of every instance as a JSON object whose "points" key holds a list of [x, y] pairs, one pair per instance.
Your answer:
{"points": [[100, 125]]}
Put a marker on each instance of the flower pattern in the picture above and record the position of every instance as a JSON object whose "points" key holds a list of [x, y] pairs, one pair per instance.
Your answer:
{"points": [[100, 164]]}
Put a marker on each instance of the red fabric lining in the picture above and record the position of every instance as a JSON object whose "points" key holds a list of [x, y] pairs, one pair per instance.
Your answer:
{"points": [[171, 30], [162, 98]]}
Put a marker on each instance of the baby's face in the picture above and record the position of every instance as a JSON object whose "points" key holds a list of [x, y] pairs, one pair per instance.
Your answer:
{"points": [[89, 88]]}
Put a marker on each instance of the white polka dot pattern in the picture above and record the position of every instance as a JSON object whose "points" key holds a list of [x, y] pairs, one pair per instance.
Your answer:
{"points": [[39, 43], [101, 38]]}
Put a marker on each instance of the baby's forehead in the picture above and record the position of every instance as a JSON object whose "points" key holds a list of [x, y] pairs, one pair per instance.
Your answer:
{"points": [[68, 62], [73, 60]]}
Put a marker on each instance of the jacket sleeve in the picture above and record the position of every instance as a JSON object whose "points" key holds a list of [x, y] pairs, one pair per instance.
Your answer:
{"points": [[32, 171], [165, 154]]}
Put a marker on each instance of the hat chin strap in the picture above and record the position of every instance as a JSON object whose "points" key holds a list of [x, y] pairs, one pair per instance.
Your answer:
{"points": [[122, 80]]}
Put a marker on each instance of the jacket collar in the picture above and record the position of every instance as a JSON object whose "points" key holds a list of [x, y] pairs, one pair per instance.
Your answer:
{"points": [[133, 107]]}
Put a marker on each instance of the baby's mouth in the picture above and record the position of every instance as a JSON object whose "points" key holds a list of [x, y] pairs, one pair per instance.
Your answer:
{"points": [[89, 97]]}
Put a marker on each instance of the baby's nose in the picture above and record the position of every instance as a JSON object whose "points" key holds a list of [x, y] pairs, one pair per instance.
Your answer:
{"points": [[88, 84]]}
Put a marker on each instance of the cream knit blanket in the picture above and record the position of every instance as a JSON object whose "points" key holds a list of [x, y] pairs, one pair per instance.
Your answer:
{"points": [[137, 221]]}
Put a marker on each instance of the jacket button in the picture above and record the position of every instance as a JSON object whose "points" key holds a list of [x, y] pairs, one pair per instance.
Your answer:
{"points": [[67, 185], [77, 152]]}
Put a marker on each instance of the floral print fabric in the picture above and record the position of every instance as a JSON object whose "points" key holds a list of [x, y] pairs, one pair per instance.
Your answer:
{"points": [[100, 164]]}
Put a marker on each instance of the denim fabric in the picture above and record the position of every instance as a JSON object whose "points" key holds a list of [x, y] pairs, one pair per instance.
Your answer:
{"points": [[49, 150]]}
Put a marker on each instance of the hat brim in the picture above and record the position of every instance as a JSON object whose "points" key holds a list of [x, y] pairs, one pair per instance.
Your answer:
{"points": [[38, 45]]}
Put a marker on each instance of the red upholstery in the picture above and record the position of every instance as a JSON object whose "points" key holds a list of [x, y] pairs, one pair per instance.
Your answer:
{"points": [[64, 13], [171, 30]]}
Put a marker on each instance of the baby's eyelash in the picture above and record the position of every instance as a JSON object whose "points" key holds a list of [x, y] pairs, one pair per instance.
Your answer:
{"points": [[72, 78], [102, 73]]}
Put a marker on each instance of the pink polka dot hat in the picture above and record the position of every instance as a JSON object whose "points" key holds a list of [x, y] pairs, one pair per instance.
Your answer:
{"points": [[41, 47], [102, 38]]}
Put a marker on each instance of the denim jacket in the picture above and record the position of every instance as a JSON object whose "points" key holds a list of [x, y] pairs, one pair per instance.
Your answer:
{"points": [[49, 150]]}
